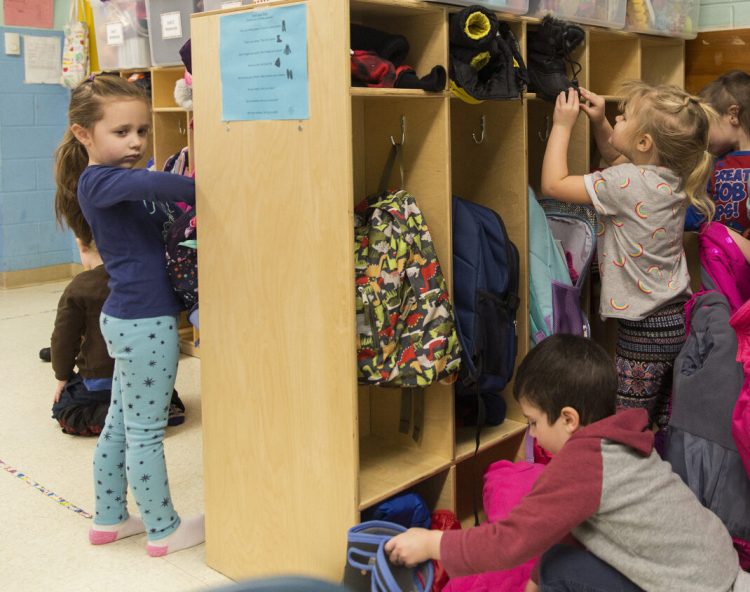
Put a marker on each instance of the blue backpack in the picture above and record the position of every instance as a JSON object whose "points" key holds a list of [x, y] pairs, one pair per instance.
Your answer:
{"points": [[558, 230], [485, 296]]}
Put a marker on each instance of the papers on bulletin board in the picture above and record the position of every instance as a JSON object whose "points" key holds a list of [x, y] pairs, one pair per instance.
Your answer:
{"points": [[42, 59], [29, 13], [263, 61]]}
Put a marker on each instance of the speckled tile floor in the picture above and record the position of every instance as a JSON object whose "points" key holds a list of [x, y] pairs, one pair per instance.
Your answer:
{"points": [[44, 544]]}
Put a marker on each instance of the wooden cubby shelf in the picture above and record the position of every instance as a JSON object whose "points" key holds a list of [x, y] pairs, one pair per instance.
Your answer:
{"points": [[290, 438], [401, 93], [387, 469], [491, 436]]}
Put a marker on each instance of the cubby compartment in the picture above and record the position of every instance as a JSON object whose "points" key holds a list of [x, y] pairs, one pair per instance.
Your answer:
{"points": [[438, 491], [614, 58], [604, 13], [470, 477], [662, 60], [488, 147], [540, 124], [170, 135], [121, 31], [421, 125], [424, 26], [162, 87], [389, 459]]}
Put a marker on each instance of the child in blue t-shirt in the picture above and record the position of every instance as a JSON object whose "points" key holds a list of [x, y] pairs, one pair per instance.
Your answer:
{"points": [[729, 140]]}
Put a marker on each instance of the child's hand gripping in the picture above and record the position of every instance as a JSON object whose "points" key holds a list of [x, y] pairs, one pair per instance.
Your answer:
{"points": [[595, 107], [414, 546], [566, 109]]}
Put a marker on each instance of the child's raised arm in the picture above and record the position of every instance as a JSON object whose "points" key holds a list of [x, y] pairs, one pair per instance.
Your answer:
{"points": [[556, 182], [110, 185], [601, 127]]}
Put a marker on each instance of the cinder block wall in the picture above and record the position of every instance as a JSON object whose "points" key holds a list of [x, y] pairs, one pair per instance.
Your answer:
{"points": [[32, 122], [724, 14]]}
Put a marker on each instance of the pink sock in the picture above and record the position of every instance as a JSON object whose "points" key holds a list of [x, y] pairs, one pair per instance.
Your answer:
{"points": [[189, 533], [101, 534]]}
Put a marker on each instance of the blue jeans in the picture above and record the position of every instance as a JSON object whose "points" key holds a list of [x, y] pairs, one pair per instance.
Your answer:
{"points": [[130, 449], [569, 569]]}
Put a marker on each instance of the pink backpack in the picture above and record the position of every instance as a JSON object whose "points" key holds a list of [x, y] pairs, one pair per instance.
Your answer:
{"points": [[505, 483]]}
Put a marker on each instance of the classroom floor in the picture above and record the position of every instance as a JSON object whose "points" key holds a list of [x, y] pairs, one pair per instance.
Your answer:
{"points": [[43, 540]]}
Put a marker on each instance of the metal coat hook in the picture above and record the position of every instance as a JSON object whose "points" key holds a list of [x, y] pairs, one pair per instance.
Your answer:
{"points": [[544, 134], [403, 132], [180, 129], [482, 122]]}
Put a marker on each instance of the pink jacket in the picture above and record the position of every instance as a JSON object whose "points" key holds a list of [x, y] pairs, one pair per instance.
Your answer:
{"points": [[740, 321], [505, 483], [722, 259]]}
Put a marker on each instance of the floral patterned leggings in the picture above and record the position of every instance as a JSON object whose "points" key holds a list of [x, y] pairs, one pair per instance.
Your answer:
{"points": [[646, 351]]}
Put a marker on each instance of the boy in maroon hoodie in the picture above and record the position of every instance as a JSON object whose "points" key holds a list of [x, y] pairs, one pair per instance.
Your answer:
{"points": [[628, 521]]}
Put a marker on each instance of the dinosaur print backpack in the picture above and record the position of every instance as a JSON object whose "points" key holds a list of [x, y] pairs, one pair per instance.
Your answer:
{"points": [[406, 335]]}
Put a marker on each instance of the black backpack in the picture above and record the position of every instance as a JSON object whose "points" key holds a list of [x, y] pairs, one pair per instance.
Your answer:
{"points": [[485, 295]]}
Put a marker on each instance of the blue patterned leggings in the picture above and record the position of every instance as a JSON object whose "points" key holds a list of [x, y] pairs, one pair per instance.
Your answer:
{"points": [[130, 448]]}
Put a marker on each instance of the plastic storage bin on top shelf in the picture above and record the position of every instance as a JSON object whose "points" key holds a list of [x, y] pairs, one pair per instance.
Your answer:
{"points": [[602, 13], [672, 18], [509, 6], [121, 31], [220, 4], [169, 26]]}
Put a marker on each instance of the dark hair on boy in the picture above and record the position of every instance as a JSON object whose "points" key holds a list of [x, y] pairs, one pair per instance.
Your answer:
{"points": [[568, 371], [731, 88]]}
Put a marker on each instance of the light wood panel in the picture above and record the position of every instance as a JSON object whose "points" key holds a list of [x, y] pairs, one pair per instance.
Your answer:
{"points": [[39, 275], [613, 59], [277, 316], [713, 53], [662, 60]]}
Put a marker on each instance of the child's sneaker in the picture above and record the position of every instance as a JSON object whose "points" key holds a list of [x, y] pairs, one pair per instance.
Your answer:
{"points": [[176, 410]]}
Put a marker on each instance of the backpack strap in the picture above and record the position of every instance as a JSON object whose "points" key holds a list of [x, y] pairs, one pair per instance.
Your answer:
{"points": [[397, 152], [412, 412]]}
